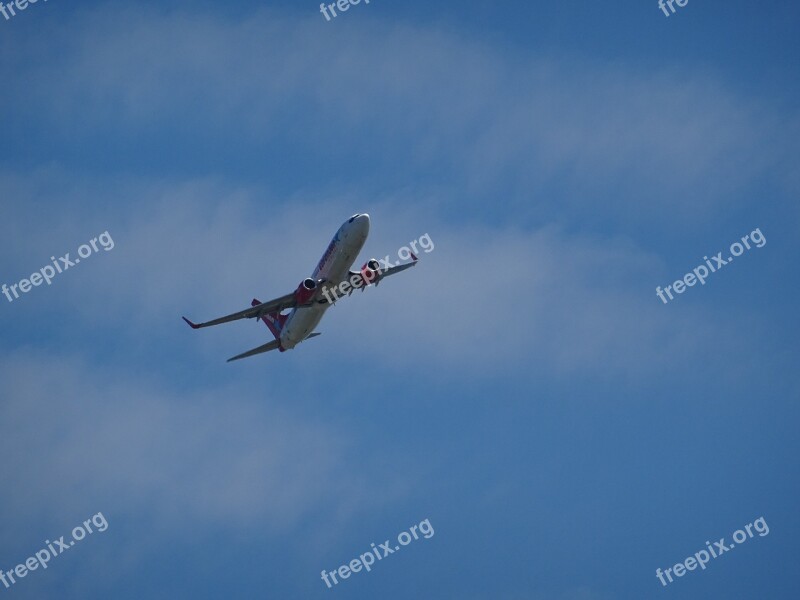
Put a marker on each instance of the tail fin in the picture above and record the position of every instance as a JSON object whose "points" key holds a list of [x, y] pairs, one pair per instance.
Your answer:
{"points": [[274, 320]]}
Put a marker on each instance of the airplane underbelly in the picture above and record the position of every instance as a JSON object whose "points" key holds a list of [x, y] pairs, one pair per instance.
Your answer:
{"points": [[300, 324], [339, 267], [333, 268]]}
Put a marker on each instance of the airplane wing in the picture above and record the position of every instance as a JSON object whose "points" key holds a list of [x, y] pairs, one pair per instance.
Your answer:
{"points": [[360, 283], [255, 312], [397, 269]]}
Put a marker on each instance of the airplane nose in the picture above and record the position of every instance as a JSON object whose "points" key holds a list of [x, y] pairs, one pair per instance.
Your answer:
{"points": [[362, 224], [357, 225]]}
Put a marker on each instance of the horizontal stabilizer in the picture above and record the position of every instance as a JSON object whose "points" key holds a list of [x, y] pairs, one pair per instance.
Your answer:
{"points": [[273, 345]]}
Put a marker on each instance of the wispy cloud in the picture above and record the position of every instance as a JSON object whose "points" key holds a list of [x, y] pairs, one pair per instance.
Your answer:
{"points": [[76, 436], [552, 135]]}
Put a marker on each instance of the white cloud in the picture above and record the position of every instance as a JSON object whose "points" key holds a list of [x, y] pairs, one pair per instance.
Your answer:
{"points": [[485, 299], [648, 146], [77, 438]]}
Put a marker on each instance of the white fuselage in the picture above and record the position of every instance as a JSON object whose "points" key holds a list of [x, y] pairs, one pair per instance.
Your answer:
{"points": [[333, 268]]}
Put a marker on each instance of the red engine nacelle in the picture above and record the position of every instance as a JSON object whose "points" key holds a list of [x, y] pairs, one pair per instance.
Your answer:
{"points": [[305, 291], [370, 270]]}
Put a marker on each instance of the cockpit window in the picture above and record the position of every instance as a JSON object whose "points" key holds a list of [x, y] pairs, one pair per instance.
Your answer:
{"points": [[353, 218]]}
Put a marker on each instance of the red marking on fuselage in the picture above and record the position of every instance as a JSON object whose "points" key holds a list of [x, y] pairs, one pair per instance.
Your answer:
{"points": [[328, 253]]}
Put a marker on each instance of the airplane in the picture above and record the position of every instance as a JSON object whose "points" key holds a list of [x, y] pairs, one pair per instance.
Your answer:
{"points": [[308, 303]]}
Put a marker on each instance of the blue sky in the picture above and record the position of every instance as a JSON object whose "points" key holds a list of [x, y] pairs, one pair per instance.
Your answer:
{"points": [[523, 388]]}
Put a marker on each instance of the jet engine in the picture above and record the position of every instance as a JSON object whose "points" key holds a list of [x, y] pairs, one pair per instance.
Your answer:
{"points": [[370, 270], [305, 291]]}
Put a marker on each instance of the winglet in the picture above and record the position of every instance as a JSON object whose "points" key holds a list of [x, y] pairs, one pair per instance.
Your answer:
{"points": [[192, 325], [413, 256]]}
